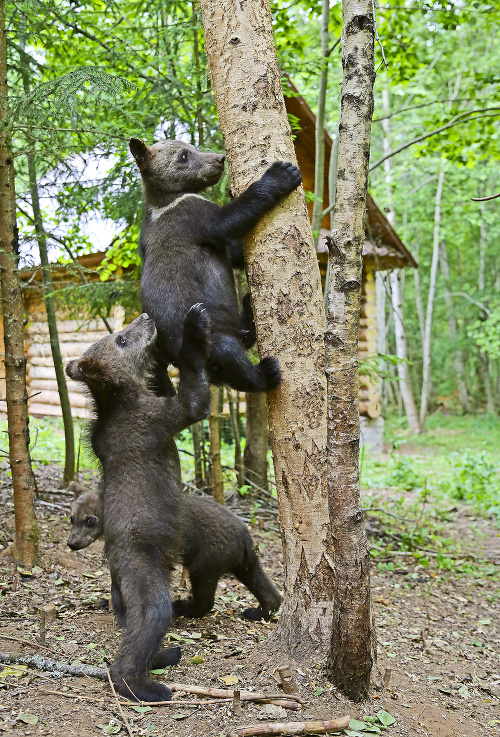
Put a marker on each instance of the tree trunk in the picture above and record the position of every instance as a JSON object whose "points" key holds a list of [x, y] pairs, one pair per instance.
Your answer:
{"points": [[406, 392], [238, 457], [214, 425], [319, 162], [458, 362], [426, 367], [196, 431], [484, 364], [353, 648], [400, 335], [287, 301], [25, 546], [257, 437]]}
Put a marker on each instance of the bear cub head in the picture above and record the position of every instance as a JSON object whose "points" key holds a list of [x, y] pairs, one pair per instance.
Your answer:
{"points": [[87, 518], [118, 360], [174, 167]]}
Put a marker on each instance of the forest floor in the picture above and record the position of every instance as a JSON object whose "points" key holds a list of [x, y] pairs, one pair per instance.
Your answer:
{"points": [[435, 573]]}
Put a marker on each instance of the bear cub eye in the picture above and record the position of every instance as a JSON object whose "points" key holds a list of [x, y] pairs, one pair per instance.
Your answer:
{"points": [[184, 156], [90, 521], [121, 340]]}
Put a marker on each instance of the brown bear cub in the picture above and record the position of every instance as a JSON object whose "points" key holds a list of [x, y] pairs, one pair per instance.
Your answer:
{"points": [[132, 436], [214, 542], [189, 247]]}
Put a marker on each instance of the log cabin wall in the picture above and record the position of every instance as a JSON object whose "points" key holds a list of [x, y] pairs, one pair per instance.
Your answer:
{"points": [[75, 336]]}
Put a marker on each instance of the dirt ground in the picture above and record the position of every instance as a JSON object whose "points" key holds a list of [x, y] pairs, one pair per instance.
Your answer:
{"points": [[438, 635]]}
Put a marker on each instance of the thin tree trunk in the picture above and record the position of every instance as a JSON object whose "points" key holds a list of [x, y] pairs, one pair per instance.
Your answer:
{"points": [[257, 437], [214, 425], [319, 163], [41, 237], [196, 431], [406, 392], [199, 114], [485, 375], [238, 456], [426, 358], [458, 362], [287, 301], [353, 646], [418, 301], [25, 546]]}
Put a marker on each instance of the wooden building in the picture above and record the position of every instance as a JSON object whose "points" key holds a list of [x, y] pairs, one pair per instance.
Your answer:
{"points": [[383, 249]]}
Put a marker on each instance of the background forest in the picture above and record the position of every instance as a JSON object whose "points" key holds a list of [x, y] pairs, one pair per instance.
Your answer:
{"points": [[84, 78]]}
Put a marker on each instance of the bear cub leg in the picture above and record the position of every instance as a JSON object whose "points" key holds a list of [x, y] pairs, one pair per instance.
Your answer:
{"points": [[228, 364]]}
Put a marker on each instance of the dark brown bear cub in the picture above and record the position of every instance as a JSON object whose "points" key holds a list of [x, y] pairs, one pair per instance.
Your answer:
{"points": [[214, 542], [189, 246], [132, 436]]}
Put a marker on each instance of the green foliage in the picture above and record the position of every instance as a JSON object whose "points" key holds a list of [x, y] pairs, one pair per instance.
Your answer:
{"points": [[486, 333], [475, 479]]}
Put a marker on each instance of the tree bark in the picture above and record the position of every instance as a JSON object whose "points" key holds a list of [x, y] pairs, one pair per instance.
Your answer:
{"points": [[288, 308], [458, 362], [214, 425], [400, 335], [426, 357], [406, 392], [25, 546], [196, 431], [257, 438], [352, 650], [238, 457], [319, 162]]}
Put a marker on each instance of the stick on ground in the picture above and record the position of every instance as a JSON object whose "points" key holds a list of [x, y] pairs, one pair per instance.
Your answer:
{"points": [[122, 713], [284, 728]]}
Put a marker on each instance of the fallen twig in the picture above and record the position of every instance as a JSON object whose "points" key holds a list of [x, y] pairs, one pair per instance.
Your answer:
{"points": [[56, 667], [336, 725], [244, 695], [124, 718], [28, 642], [75, 695]]}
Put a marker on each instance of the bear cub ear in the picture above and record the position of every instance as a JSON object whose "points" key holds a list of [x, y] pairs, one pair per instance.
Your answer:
{"points": [[139, 151], [88, 370], [77, 489]]}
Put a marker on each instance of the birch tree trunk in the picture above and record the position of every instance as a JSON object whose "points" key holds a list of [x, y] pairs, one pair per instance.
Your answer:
{"points": [[426, 367], [285, 289], [458, 362], [353, 648], [319, 163], [397, 302], [25, 546]]}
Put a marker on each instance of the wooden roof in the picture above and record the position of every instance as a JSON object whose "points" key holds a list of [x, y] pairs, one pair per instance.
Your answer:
{"points": [[382, 243]]}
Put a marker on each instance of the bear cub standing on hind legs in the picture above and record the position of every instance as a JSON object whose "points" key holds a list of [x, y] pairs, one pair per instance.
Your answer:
{"points": [[132, 436], [213, 542], [189, 247]]}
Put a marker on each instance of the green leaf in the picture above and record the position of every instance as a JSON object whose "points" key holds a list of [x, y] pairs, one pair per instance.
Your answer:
{"points": [[27, 718], [179, 716], [13, 670], [140, 709], [109, 728], [158, 671], [197, 660], [318, 692], [357, 725], [385, 718]]}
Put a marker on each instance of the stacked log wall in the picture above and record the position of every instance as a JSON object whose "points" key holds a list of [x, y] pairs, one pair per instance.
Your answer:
{"points": [[75, 336]]}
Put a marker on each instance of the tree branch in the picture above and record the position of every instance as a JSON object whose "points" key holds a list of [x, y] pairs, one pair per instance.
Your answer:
{"points": [[457, 121], [485, 199]]}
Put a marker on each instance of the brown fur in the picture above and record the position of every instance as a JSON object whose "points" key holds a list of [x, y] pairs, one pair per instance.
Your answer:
{"points": [[214, 542], [132, 436]]}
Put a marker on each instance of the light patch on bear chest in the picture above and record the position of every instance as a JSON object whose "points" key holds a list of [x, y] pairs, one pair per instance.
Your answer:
{"points": [[157, 212]]}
